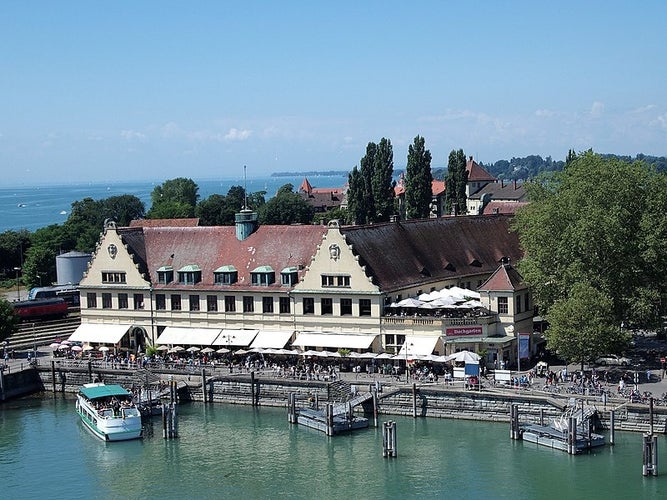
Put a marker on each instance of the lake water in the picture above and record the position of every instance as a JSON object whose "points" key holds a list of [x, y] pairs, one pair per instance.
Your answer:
{"points": [[33, 207], [227, 451]]}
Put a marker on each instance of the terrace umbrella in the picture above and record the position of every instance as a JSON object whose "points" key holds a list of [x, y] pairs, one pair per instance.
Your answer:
{"points": [[207, 350], [77, 348], [241, 351], [103, 348], [463, 357], [88, 348], [163, 348], [54, 345], [410, 302], [223, 350], [193, 349]]}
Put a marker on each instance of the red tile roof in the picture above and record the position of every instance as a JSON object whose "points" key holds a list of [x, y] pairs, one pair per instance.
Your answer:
{"points": [[192, 222], [437, 187], [212, 247], [477, 173], [505, 279], [503, 207]]}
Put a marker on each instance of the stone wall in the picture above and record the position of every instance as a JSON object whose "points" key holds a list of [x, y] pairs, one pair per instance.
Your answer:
{"points": [[426, 401]]}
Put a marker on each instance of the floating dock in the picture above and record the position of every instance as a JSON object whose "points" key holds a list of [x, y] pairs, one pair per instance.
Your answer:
{"points": [[340, 423], [551, 437]]}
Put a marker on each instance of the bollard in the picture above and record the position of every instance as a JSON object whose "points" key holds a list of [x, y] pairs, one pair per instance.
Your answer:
{"points": [[650, 455], [389, 439], [53, 375], [329, 419], [414, 400], [252, 388], [612, 425], [375, 408]]}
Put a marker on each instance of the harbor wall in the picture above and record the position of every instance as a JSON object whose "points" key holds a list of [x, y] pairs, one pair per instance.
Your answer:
{"points": [[420, 401]]}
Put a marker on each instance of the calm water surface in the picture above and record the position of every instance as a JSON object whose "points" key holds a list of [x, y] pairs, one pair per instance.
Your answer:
{"points": [[235, 451]]}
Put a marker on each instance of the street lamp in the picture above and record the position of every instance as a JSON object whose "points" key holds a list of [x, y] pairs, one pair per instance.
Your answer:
{"points": [[18, 289]]}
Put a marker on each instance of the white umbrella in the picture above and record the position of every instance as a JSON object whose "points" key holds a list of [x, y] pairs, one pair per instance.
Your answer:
{"points": [[54, 345], [310, 353], [241, 351], [193, 349], [463, 357], [207, 350], [410, 302], [77, 348], [367, 355], [222, 350], [88, 348], [163, 348], [384, 355], [103, 348], [63, 347]]}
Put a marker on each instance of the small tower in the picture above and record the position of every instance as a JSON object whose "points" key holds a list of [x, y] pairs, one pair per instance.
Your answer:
{"points": [[246, 219]]}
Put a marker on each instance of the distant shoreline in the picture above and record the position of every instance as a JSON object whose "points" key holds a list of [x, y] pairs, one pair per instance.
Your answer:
{"points": [[313, 173]]}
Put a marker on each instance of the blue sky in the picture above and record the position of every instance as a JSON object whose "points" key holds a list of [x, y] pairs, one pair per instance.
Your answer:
{"points": [[162, 89]]}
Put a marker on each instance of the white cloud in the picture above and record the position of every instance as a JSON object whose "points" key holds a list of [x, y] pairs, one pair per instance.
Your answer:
{"points": [[235, 134], [133, 135], [597, 108]]}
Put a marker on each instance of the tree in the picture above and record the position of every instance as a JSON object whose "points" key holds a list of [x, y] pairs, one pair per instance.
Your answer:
{"points": [[581, 326], [123, 209], [286, 207], [211, 211], [8, 320], [601, 221], [456, 183], [174, 199], [370, 190], [13, 244], [418, 181], [381, 182], [40, 266]]}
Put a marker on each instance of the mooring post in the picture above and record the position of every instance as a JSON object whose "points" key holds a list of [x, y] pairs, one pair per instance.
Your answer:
{"points": [[164, 421], [90, 371], [650, 455], [375, 408], [612, 426], [203, 384], [53, 375], [414, 400], [252, 388], [650, 415], [514, 422], [174, 420], [329, 419], [389, 439]]}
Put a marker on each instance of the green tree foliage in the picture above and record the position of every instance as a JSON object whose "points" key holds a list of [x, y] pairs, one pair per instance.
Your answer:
{"points": [[286, 207], [582, 327], [382, 186], [13, 245], [8, 320], [603, 222], [371, 191], [455, 185], [174, 199], [337, 213], [418, 180], [40, 266], [123, 209]]}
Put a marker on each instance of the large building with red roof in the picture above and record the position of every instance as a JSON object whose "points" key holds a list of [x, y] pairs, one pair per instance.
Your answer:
{"points": [[301, 286]]}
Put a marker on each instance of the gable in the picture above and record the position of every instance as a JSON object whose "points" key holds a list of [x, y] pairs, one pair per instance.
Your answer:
{"points": [[335, 258]]}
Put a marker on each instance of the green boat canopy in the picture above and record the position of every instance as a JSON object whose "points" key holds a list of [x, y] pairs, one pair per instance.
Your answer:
{"points": [[104, 391]]}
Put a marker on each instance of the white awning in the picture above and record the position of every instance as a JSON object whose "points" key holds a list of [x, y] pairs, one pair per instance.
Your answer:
{"points": [[272, 339], [235, 338], [418, 345], [336, 340], [188, 336], [99, 332]]}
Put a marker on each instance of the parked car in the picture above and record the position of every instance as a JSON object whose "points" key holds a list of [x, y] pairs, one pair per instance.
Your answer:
{"points": [[613, 359]]}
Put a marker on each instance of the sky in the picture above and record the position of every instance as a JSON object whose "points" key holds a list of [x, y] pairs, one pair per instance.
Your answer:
{"points": [[98, 91]]}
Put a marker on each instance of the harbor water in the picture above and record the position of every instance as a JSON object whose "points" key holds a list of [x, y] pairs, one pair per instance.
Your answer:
{"points": [[227, 451]]}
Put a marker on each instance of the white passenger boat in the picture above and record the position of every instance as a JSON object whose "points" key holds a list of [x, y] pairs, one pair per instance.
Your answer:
{"points": [[109, 412]]}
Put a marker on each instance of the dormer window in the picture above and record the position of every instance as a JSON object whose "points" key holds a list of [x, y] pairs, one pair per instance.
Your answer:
{"points": [[226, 275], [189, 275], [289, 276], [165, 275], [263, 276]]}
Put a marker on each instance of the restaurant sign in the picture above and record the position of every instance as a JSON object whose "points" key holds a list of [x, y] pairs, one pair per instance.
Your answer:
{"points": [[460, 331]]}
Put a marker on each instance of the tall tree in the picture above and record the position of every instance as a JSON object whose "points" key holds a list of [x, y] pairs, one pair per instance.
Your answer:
{"points": [[418, 180], [455, 185], [601, 221], [174, 198], [370, 192], [381, 182]]}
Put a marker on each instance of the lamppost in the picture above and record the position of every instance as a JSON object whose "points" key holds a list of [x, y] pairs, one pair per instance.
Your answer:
{"points": [[18, 289]]}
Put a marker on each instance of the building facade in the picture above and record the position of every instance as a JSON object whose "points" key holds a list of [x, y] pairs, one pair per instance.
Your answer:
{"points": [[302, 286]]}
